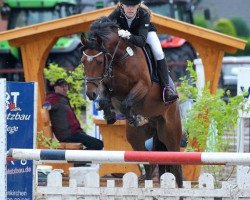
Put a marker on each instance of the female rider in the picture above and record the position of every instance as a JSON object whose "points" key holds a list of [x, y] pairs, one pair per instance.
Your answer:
{"points": [[133, 17]]}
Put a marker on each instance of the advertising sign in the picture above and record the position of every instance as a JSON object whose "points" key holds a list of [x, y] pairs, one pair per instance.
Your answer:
{"points": [[21, 127]]}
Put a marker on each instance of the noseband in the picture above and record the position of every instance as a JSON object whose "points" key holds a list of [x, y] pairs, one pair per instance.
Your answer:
{"points": [[108, 68]]}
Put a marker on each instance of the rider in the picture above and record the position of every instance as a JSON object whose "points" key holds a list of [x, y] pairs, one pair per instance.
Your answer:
{"points": [[133, 17]]}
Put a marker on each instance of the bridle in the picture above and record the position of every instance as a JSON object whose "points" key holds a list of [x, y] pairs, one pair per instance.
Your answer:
{"points": [[107, 74]]}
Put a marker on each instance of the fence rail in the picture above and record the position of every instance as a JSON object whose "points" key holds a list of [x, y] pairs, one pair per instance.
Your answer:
{"points": [[86, 185], [146, 157], [90, 189]]}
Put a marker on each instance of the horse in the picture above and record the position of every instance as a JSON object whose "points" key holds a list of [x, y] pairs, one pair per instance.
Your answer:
{"points": [[117, 72]]}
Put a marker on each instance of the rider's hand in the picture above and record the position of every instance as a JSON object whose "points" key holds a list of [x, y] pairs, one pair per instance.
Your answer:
{"points": [[124, 33]]}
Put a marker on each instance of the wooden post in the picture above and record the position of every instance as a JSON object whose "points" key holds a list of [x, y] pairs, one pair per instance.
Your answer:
{"points": [[34, 55]]}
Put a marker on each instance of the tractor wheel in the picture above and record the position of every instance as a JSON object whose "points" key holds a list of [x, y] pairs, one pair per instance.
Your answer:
{"points": [[68, 60], [177, 60]]}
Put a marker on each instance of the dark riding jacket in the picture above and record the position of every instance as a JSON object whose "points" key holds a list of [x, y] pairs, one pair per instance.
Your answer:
{"points": [[63, 119], [140, 25]]}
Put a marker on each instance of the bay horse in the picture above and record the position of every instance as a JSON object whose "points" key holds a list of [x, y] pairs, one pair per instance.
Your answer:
{"points": [[117, 71]]}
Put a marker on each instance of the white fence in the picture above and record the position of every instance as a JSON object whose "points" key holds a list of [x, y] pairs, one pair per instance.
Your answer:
{"points": [[90, 189]]}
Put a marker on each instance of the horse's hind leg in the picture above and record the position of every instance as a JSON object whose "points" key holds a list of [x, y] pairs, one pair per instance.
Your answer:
{"points": [[176, 170], [136, 137], [178, 174]]}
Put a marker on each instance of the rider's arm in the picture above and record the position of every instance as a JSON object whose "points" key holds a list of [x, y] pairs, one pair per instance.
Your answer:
{"points": [[140, 39]]}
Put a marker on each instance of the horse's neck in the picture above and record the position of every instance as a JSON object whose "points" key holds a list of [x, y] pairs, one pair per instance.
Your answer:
{"points": [[131, 81]]}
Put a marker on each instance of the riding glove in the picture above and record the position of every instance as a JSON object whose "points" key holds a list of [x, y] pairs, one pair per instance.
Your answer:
{"points": [[124, 33]]}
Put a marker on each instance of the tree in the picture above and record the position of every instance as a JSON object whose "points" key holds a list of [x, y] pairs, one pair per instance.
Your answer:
{"points": [[241, 27], [225, 26]]}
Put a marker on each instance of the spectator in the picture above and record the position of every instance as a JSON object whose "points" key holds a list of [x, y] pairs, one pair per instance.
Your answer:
{"points": [[65, 125]]}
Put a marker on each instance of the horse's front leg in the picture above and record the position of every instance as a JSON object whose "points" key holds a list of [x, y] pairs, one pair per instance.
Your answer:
{"points": [[136, 94], [103, 102]]}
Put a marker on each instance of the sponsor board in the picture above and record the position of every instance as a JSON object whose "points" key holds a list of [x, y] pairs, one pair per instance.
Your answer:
{"points": [[20, 105]]}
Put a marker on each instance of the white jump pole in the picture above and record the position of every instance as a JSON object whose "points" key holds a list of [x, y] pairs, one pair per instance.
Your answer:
{"points": [[3, 138], [145, 157]]}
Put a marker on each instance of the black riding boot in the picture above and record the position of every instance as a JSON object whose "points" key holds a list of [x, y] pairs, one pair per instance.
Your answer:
{"points": [[168, 93]]}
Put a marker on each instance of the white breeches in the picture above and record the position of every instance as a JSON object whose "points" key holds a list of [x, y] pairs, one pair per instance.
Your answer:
{"points": [[154, 43]]}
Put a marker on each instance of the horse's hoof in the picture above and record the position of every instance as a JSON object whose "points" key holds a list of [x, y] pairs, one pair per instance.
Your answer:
{"points": [[141, 120], [137, 121], [110, 119], [132, 123]]}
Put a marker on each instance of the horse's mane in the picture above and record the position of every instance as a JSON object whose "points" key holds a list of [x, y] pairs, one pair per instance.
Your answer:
{"points": [[102, 28]]}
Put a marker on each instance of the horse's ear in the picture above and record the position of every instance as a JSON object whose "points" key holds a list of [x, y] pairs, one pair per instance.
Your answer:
{"points": [[84, 40]]}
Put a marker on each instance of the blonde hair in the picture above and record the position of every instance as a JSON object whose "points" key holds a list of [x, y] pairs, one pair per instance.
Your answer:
{"points": [[145, 7]]}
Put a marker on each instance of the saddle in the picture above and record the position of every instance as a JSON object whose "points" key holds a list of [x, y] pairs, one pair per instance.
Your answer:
{"points": [[152, 66]]}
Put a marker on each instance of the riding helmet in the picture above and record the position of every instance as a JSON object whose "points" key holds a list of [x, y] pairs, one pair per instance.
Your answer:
{"points": [[130, 2]]}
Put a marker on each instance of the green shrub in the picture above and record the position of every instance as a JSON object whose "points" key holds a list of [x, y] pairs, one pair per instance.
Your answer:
{"points": [[241, 27], [225, 26], [210, 117], [46, 141], [199, 20], [208, 120]]}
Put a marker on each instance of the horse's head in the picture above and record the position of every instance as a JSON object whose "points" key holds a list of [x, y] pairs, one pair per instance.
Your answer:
{"points": [[98, 53]]}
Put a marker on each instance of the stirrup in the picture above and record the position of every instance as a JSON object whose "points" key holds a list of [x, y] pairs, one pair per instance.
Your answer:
{"points": [[165, 100]]}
